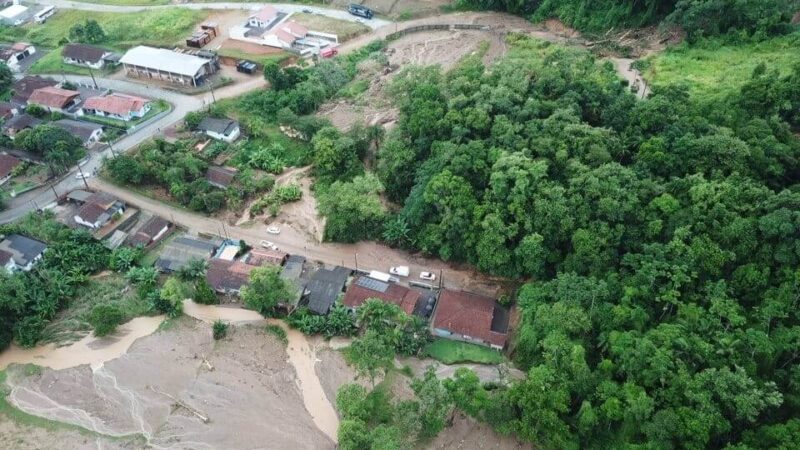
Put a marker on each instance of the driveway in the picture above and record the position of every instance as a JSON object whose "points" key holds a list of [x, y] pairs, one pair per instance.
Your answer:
{"points": [[340, 14]]}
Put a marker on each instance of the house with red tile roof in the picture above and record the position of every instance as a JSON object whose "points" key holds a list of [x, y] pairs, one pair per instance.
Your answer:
{"points": [[54, 99], [469, 317], [260, 256], [117, 106], [264, 17], [363, 288], [228, 277], [24, 87]]}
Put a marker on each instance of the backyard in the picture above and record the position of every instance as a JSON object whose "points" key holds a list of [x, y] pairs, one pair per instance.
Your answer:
{"points": [[53, 62], [454, 352]]}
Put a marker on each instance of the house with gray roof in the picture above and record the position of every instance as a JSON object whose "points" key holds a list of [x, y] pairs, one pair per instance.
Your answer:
{"points": [[222, 129], [324, 288], [182, 249], [18, 252]]}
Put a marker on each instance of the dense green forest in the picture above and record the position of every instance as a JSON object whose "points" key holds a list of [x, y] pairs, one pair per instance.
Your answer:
{"points": [[697, 17], [660, 237]]}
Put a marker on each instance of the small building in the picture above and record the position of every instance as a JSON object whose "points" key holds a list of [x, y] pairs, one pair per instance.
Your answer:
{"points": [[178, 252], [89, 133], [7, 165], [14, 125], [469, 317], [8, 110], [261, 256], [24, 87], [220, 177], [228, 277], [153, 230], [324, 288], [263, 18], [286, 34], [85, 55], [363, 288], [223, 129], [246, 66], [14, 54], [98, 210], [167, 65], [117, 106], [79, 196], [199, 39], [15, 14], [54, 99], [18, 252]]}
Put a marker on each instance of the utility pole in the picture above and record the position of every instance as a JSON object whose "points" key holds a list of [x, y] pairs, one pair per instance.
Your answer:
{"points": [[54, 191], [441, 278], [93, 80], [213, 97], [356, 261]]}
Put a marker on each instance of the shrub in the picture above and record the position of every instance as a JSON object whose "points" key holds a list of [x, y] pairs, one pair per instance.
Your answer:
{"points": [[278, 332], [105, 318], [219, 330]]}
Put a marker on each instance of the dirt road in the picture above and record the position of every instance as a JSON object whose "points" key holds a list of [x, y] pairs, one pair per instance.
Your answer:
{"points": [[370, 255]]}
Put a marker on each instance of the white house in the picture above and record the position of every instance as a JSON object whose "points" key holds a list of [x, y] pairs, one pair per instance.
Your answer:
{"points": [[89, 133], [84, 55], [14, 54], [223, 129], [98, 210], [18, 252], [117, 106], [263, 18]]}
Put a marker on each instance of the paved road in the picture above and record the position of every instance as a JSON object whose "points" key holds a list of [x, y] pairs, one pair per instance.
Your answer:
{"points": [[340, 14], [181, 105]]}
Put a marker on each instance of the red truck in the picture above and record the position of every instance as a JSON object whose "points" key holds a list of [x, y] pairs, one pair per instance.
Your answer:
{"points": [[328, 52]]}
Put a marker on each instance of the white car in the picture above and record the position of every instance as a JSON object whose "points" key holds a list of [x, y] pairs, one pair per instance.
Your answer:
{"points": [[273, 230], [430, 276], [269, 245], [401, 271], [79, 175]]}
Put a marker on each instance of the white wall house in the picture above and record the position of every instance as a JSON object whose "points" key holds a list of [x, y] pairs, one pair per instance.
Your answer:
{"points": [[117, 106], [222, 129], [84, 55]]}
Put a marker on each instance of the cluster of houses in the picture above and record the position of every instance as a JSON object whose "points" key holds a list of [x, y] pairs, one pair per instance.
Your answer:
{"points": [[452, 314], [74, 103], [273, 28]]}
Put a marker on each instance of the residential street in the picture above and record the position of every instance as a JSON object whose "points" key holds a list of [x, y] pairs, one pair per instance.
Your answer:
{"points": [[333, 13], [371, 255]]}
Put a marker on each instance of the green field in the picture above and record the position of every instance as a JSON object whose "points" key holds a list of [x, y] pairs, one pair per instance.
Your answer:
{"points": [[454, 352], [124, 30], [712, 69]]}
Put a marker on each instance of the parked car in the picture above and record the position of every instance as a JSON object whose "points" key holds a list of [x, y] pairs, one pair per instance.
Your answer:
{"points": [[328, 52], [81, 176], [273, 230], [401, 271], [430, 276], [307, 11], [269, 245]]}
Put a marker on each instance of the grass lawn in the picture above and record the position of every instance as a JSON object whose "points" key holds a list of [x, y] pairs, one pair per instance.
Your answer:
{"points": [[261, 59], [714, 69], [53, 62], [71, 324], [452, 352], [124, 30], [345, 29]]}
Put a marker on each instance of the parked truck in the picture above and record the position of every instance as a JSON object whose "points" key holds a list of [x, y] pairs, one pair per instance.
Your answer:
{"points": [[360, 10]]}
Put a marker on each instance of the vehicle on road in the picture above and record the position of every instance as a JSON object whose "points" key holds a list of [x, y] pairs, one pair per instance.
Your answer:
{"points": [[82, 176], [273, 230], [430, 276], [328, 52], [360, 10], [269, 245], [401, 271], [308, 11]]}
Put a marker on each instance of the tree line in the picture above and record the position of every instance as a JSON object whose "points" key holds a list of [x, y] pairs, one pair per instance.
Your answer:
{"points": [[659, 238]]}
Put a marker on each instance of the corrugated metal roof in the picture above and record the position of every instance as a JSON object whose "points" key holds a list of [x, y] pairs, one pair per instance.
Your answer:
{"points": [[164, 60]]}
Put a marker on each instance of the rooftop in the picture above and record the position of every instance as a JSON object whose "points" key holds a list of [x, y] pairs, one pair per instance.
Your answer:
{"points": [[261, 256], [266, 14], [21, 122], [228, 275], [364, 288], [471, 315], [83, 130], [324, 287], [52, 96], [164, 60], [24, 87], [220, 176], [220, 126], [120, 104], [184, 248], [23, 249], [7, 164], [84, 52]]}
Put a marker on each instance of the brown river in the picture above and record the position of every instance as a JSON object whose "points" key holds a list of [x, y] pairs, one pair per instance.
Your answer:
{"points": [[93, 351]]}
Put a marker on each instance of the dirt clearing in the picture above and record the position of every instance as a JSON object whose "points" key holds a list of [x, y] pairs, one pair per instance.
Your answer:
{"points": [[250, 397], [344, 29]]}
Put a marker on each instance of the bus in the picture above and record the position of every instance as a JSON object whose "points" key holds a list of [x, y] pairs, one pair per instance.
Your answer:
{"points": [[42, 15], [360, 10]]}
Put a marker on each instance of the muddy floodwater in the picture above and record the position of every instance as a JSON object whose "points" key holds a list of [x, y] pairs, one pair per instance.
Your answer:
{"points": [[301, 356], [144, 377], [89, 350]]}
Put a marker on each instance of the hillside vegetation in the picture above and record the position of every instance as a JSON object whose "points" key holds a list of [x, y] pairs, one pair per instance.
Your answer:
{"points": [[663, 243]]}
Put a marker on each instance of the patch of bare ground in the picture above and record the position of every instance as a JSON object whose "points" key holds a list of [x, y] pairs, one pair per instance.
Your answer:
{"points": [[464, 432], [17, 436], [333, 371], [180, 389]]}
